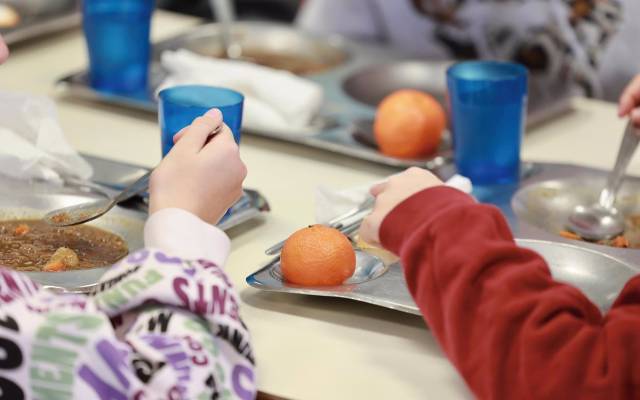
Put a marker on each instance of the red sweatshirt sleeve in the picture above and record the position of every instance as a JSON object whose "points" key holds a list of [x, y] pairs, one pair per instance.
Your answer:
{"points": [[509, 328]]}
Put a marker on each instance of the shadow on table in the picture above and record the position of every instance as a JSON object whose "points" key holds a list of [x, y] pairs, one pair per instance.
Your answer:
{"points": [[343, 312], [267, 396], [245, 227]]}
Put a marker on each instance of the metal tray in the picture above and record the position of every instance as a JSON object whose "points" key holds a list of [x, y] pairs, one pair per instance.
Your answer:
{"points": [[352, 87], [599, 271], [44, 18]]}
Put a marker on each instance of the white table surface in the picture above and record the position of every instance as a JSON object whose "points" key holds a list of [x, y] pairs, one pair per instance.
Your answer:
{"points": [[306, 348]]}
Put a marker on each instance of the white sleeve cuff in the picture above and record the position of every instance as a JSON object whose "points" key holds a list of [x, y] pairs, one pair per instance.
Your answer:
{"points": [[182, 234]]}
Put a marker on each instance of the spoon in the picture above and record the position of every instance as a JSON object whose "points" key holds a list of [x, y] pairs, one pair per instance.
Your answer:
{"points": [[225, 14], [78, 214], [602, 220]]}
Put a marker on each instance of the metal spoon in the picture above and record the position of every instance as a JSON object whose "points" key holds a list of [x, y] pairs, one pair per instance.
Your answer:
{"points": [[602, 220], [85, 212]]}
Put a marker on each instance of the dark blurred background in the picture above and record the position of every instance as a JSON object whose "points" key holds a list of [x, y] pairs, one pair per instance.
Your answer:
{"points": [[278, 10]]}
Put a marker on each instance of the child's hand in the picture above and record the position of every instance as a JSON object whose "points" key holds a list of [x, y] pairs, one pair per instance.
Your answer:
{"points": [[204, 178], [4, 51], [391, 193], [629, 104]]}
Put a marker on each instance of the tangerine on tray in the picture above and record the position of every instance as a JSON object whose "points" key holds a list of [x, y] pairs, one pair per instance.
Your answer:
{"points": [[317, 256], [409, 124]]}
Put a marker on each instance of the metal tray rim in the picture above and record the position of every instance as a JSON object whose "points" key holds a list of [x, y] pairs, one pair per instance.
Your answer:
{"points": [[47, 25]]}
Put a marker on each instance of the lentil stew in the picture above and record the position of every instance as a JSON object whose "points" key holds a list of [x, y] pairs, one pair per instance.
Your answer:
{"points": [[34, 245]]}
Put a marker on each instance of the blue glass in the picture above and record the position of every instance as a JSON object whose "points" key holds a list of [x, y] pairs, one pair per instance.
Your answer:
{"points": [[488, 102], [117, 35], [180, 105]]}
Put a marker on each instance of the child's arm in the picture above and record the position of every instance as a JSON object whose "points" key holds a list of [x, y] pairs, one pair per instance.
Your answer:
{"points": [[162, 324], [512, 331]]}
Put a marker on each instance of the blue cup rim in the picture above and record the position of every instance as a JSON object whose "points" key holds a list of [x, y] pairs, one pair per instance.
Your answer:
{"points": [[236, 97], [128, 7], [513, 71]]}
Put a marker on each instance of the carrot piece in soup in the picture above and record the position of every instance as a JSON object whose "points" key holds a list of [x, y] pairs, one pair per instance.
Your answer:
{"points": [[620, 241], [570, 235], [21, 229], [61, 260], [55, 266]]}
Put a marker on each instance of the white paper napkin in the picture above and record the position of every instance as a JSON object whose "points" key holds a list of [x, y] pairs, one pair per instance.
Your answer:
{"points": [[32, 144], [332, 203], [275, 100]]}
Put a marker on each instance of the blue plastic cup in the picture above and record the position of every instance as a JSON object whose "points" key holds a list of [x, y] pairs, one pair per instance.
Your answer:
{"points": [[117, 35], [180, 105], [488, 103]]}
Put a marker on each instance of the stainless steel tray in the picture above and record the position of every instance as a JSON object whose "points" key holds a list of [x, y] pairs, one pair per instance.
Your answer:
{"points": [[44, 18], [352, 87], [599, 271], [117, 175]]}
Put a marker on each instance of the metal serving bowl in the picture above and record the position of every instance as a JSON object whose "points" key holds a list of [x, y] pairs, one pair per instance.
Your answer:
{"points": [[548, 204], [268, 39], [371, 84], [19, 201]]}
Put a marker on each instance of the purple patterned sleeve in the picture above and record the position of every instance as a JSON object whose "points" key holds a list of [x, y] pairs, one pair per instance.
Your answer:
{"points": [[157, 327]]}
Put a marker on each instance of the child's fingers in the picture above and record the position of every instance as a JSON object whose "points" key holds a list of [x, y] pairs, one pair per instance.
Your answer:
{"points": [[180, 133], [4, 50], [635, 117], [222, 140], [630, 97], [178, 136], [378, 188], [368, 230], [195, 136], [226, 131]]}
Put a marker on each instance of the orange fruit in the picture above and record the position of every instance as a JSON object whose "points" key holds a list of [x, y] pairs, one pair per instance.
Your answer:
{"points": [[317, 256], [409, 124]]}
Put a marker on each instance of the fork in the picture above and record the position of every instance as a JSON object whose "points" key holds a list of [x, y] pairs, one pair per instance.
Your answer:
{"points": [[337, 223]]}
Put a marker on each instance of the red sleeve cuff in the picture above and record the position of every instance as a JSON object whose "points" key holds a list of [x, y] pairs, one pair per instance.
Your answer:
{"points": [[415, 211], [630, 294]]}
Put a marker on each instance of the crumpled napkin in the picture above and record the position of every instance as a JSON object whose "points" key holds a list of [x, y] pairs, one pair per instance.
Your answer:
{"points": [[331, 203], [275, 100], [32, 144]]}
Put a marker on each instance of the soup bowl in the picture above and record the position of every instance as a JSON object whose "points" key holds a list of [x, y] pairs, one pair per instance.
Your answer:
{"points": [[33, 201]]}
